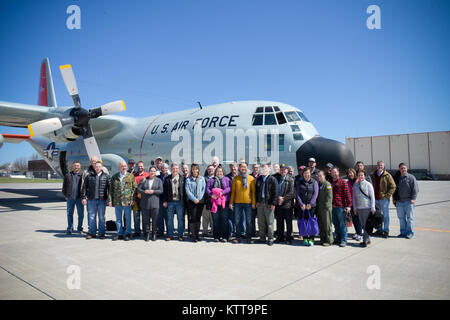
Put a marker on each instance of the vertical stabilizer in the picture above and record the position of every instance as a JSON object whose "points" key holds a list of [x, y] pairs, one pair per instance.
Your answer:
{"points": [[46, 91]]}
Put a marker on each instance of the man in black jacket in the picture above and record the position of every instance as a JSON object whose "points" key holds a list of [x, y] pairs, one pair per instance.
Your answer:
{"points": [[95, 194], [174, 196], [284, 208], [71, 189], [266, 199]]}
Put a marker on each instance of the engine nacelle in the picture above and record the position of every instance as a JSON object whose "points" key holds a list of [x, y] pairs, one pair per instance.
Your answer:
{"points": [[64, 134]]}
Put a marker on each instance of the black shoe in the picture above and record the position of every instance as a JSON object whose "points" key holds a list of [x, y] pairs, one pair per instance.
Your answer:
{"points": [[378, 233], [363, 244], [137, 235], [90, 236], [279, 240], [385, 235], [260, 241], [216, 240], [127, 237], [237, 240], [147, 237], [68, 232], [115, 238], [250, 241], [289, 242], [102, 237], [270, 242]]}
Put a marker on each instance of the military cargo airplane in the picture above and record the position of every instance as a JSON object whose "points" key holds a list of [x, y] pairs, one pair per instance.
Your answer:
{"points": [[252, 130]]}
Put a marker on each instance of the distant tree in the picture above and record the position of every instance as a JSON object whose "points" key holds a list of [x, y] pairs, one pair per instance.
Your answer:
{"points": [[5, 166], [35, 156], [20, 164]]}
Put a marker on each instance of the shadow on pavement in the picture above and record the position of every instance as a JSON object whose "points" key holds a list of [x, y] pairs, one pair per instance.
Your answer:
{"points": [[31, 196]]}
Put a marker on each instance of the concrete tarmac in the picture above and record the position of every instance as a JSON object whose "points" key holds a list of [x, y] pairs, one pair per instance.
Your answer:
{"points": [[39, 261]]}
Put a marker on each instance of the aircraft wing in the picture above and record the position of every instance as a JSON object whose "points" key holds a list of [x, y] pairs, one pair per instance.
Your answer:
{"points": [[20, 115]]}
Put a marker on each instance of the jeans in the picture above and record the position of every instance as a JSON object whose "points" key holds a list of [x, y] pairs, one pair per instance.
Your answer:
{"points": [[177, 206], [356, 223], [405, 214], [243, 218], [137, 221], [384, 207], [220, 226], [127, 212], [71, 203], [231, 222], [95, 207], [254, 215], [339, 225], [363, 215], [162, 218]]}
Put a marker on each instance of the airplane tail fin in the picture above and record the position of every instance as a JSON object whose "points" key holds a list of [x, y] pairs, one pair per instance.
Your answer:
{"points": [[46, 91]]}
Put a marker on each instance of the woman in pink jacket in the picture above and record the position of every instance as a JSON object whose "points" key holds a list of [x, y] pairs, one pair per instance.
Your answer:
{"points": [[219, 189]]}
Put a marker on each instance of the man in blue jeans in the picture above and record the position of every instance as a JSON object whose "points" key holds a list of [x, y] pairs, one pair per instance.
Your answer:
{"points": [[174, 196], [121, 197], [404, 200], [243, 200], [71, 189], [95, 194], [384, 187]]}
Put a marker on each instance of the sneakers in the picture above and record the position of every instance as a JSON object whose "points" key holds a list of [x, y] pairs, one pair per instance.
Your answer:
{"points": [[223, 240], [115, 238], [342, 244], [401, 236], [306, 243], [325, 244], [216, 240], [311, 242], [409, 236]]}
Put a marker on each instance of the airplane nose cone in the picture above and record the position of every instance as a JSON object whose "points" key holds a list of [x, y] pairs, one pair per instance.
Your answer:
{"points": [[325, 151]]}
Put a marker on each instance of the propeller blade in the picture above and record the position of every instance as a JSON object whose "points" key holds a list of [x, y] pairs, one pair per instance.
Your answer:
{"points": [[71, 84], [90, 143], [44, 126], [109, 108], [92, 148], [113, 107]]}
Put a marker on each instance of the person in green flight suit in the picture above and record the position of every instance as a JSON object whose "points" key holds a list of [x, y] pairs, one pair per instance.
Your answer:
{"points": [[323, 210]]}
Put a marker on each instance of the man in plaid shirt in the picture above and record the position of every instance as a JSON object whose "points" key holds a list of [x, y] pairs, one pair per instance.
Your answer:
{"points": [[342, 201]]}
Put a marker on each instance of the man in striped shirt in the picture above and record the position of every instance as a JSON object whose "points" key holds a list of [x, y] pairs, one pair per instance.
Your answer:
{"points": [[342, 201]]}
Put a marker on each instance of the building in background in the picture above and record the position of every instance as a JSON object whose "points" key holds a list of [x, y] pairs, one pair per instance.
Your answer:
{"points": [[40, 169], [426, 154]]}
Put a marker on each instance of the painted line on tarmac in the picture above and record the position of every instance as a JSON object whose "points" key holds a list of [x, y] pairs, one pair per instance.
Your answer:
{"points": [[16, 276], [426, 229]]}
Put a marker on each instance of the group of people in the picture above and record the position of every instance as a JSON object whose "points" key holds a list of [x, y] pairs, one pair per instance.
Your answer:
{"points": [[232, 203]]}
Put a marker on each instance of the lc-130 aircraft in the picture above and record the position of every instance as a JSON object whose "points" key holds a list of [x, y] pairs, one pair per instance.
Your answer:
{"points": [[259, 131]]}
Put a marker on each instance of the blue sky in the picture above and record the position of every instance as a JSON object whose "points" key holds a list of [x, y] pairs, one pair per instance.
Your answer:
{"points": [[162, 56]]}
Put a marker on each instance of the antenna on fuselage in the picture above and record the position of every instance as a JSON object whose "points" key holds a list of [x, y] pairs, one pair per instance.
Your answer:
{"points": [[200, 104]]}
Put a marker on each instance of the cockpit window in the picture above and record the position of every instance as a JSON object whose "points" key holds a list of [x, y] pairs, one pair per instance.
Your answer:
{"points": [[280, 117], [268, 109], [298, 136], [295, 128], [269, 119], [302, 115], [257, 120], [276, 108], [292, 116], [259, 110]]}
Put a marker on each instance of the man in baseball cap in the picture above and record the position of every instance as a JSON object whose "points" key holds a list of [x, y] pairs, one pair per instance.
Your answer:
{"points": [[312, 166]]}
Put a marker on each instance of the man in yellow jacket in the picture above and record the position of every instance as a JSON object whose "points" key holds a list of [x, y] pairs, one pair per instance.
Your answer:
{"points": [[243, 200]]}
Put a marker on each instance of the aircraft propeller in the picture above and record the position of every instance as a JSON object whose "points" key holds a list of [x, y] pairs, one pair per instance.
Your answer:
{"points": [[79, 117]]}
